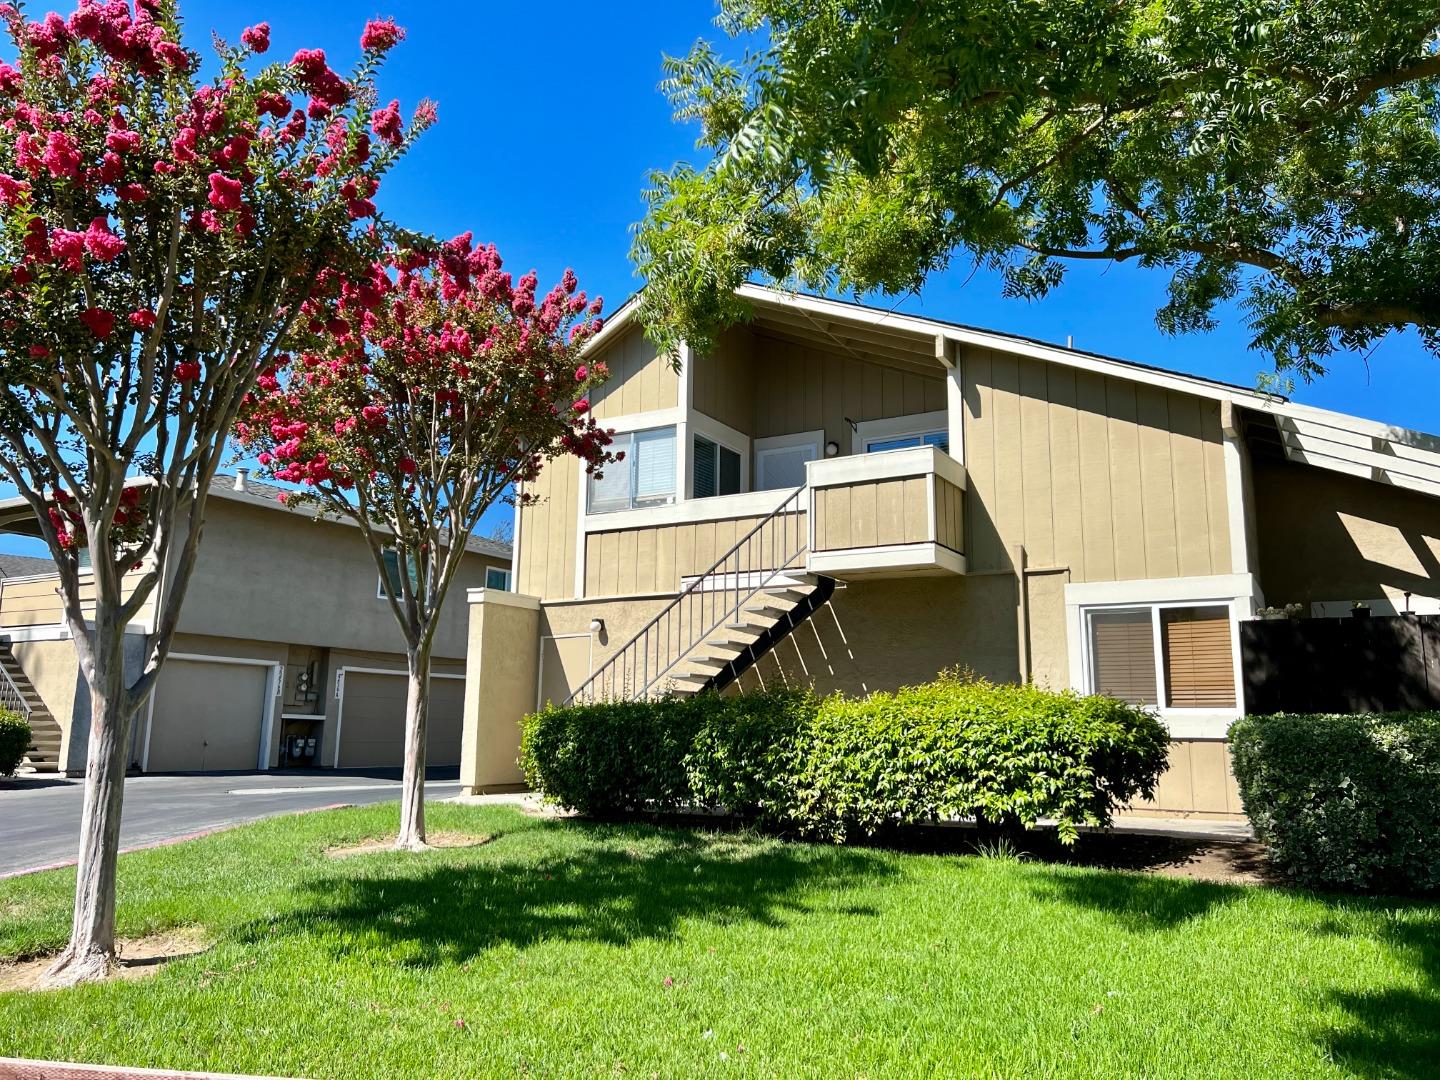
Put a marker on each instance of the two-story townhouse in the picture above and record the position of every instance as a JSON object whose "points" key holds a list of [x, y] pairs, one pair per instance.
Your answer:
{"points": [[286, 652], [854, 499]]}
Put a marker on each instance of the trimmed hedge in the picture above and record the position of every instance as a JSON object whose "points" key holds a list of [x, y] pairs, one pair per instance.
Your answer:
{"points": [[1347, 802], [838, 767], [14, 741]]}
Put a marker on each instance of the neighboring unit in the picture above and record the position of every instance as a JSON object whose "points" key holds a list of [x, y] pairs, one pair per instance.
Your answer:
{"points": [[853, 499], [286, 653]]}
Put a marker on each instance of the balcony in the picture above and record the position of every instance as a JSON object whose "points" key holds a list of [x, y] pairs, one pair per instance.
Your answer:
{"points": [[889, 514]]}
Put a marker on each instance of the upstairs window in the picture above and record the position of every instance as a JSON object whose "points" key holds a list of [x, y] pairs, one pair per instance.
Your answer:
{"points": [[938, 439], [392, 574], [717, 469], [497, 578], [645, 478]]}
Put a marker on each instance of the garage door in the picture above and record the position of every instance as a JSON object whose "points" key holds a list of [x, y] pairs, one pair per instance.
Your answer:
{"points": [[207, 716], [372, 721]]}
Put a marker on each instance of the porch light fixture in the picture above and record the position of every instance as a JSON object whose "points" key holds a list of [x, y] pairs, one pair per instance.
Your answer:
{"points": [[597, 626], [832, 448]]}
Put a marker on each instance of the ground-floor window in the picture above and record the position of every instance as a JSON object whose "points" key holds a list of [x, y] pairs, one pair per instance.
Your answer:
{"points": [[1177, 656]]}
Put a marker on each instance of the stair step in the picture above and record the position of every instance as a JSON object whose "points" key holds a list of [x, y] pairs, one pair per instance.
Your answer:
{"points": [[706, 661], [768, 611], [693, 677], [782, 593]]}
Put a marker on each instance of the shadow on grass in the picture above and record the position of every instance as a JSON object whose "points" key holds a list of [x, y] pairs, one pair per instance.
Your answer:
{"points": [[620, 884], [1391, 1032], [1394, 1032]]}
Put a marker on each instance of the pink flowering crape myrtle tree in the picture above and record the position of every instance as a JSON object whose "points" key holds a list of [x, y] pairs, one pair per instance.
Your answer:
{"points": [[158, 239], [440, 386]]}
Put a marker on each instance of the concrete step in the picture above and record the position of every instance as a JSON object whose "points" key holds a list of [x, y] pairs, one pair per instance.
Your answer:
{"points": [[767, 611], [793, 596]]}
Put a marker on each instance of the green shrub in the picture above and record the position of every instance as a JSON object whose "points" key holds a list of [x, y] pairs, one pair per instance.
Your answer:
{"points": [[14, 741], [1344, 801], [839, 767], [962, 747]]}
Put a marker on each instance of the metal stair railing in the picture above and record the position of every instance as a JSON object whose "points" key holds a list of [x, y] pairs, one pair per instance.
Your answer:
{"points": [[11, 696], [769, 550]]}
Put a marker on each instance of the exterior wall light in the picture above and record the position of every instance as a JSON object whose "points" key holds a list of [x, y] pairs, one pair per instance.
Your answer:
{"points": [[831, 449], [597, 626]]}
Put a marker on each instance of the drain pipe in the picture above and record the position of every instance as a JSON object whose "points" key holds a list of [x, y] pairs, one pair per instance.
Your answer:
{"points": [[1022, 612]]}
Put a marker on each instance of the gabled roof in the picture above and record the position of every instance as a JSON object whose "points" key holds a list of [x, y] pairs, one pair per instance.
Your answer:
{"points": [[24, 566], [1384, 453]]}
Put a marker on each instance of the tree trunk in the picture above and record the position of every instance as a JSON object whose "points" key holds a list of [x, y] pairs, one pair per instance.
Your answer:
{"points": [[90, 954], [412, 786]]}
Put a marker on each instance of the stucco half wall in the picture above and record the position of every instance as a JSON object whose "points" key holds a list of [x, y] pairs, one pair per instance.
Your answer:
{"points": [[500, 679]]}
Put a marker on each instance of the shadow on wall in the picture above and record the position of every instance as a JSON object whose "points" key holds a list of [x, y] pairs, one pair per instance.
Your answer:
{"points": [[884, 634], [605, 893], [1391, 1033], [1327, 536]]}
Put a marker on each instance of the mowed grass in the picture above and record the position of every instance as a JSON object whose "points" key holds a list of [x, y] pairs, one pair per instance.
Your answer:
{"points": [[571, 949]]}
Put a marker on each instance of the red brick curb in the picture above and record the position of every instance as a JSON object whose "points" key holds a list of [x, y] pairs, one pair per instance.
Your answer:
{"points": [[21, 1069], [169, 840]]}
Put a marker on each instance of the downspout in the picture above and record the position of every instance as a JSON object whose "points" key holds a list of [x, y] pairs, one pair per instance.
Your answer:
{"points": [[1022, 612]]}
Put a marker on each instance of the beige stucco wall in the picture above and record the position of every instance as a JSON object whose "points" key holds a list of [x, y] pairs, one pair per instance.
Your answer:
{"points": [[274, 575], [1328, 536], [500, 679], [1111, 478], [54, 670]]}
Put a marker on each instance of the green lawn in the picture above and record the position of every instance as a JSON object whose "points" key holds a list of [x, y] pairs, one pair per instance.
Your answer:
{"points": [[570, 949]]}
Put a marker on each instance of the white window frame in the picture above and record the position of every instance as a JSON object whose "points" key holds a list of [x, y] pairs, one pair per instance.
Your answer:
{"points": [[501, 571], [707, 427], [676, 433], [1237, 593], [898, 427], [764, 448], [380, 578]]}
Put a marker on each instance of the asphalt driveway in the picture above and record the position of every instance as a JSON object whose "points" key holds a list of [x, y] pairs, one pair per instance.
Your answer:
{"points": [[40, 816]]}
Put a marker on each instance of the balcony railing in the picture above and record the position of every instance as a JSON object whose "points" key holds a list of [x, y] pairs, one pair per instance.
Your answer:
{"points": [[889, 513]]}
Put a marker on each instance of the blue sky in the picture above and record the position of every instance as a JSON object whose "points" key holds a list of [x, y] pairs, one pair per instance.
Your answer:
{"points": [[550, 120]]}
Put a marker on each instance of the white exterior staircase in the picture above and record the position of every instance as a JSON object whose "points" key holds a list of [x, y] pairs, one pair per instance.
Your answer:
{"points": [[724, 620], [17, 693]]}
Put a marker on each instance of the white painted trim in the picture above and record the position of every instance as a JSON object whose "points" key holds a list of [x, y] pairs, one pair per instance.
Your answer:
{"points": [[509, 578], [582, 504], [886, 557], [737, 442], [885, 465], [540, 661], [505, 598], [644, 421], [340, 674], [1160, 590], [955, 408], [776, 443], [273, 687], [1236, 504], [896, 427], [688, 512], [1238, 593]]}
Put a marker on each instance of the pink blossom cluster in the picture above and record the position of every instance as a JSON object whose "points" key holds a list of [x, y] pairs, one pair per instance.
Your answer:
{"points": [[445, 334]]}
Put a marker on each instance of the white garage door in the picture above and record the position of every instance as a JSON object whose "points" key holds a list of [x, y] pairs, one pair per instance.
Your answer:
{"points": [[207, 716], [372, 721]]}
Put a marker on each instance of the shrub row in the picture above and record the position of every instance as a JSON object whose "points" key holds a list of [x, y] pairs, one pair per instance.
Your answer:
{"points": [[14, 741], [839, 767], [1344, 801]]}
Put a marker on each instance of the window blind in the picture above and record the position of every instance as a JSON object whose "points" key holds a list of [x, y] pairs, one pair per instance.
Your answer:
{"points": [[654, 465], [1123, 647], [1199, 664], [729, 472], [611, 491], [705, 468]]}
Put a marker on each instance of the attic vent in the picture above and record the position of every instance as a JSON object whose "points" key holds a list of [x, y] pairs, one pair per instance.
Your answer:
{"points": [[241, 475]]}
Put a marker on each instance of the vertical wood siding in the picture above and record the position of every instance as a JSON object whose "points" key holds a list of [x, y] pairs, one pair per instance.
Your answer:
{"points": [[1111, 478], [804, 389], [640, 380], [547, 532], [629, 562], [724, 381]]}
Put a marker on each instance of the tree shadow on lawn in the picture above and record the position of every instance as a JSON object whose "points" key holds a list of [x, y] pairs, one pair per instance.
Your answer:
{"points": [[1392, 1032], [620, 885]]}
